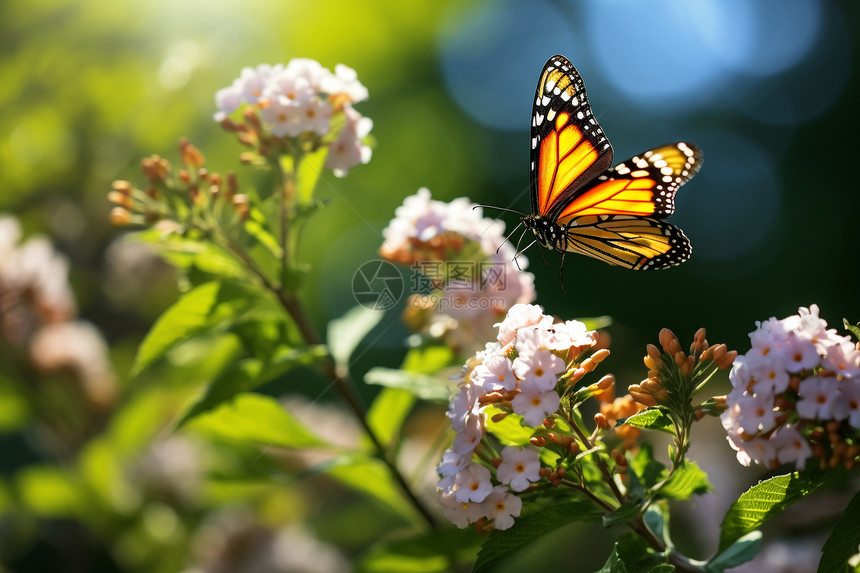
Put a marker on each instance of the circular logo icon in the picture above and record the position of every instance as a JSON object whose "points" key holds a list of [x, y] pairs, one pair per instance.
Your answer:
{"points": [[377, 285]]}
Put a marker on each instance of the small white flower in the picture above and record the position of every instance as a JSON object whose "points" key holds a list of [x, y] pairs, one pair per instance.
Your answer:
{"points": [[768, 373], [460, 513], [281, 117], [345, 81], [538, 371], [472, 483], [227, 100], [520, 316], [790, 446], [817, 397], [495, 373], [348, 150], [755, 413], [534, 406], [519, 467], [842, 357], [468, 439], [850, 390], [798, 353], [452, 462], [502, 506]]}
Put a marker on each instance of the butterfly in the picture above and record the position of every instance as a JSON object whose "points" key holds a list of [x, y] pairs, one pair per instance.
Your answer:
{"points": [[583, 205]]}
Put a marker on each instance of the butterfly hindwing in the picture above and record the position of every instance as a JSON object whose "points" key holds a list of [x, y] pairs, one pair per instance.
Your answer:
{"points": [[568, 146], [637, 243], [644, 185]]}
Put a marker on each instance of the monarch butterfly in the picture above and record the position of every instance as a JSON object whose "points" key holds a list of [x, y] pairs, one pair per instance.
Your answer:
{"points": [[579, 203]]}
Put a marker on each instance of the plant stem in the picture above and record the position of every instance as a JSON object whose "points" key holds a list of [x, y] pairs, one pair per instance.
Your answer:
{"points": [[339, 376], [607, 476], [343, 382]]}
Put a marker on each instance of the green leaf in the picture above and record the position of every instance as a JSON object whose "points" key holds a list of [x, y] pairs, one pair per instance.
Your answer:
{"points": [[50, 492], [741, 551], [632, 554], [255, 227], [256, 419], [428, 388], [687, 480], [595, 322], [202, 308], [308, 173], [190, 254], [528, 528], [649, 470], [613, 564], [427, 359], [437, 551], [510, 430], [347, 332], [248, 374], [853, 329], [652, 419], [844, 539], [624, 513], [388, 412], [371, 477], [766, 499]]}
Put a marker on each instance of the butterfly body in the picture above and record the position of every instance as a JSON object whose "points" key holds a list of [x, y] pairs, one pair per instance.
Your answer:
{"points": [[580, 203], [549, 235]]}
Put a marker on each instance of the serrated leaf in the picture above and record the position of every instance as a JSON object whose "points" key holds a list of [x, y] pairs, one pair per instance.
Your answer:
{"points": [[649, 470], [768, 498], [188, 254], [632, 554], [257, 419], [528, 528], [686, 481], [388, 412], [624, 513], [347, 332], [248, 374], [429, 388], [613, 564], [202, 308], [844, 539], [652, 419], [741, 551]]}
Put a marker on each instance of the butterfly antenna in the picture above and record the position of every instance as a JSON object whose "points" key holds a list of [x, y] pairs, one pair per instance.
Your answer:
{"points": [[520, 213], [508, 237]]}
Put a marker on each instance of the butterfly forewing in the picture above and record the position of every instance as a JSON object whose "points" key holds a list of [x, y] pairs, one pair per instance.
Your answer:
{"points": [[568, 147], [644, 185], [637, 243]]}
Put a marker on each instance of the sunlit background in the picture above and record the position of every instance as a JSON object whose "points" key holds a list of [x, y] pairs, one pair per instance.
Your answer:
{"points": [[767, 88]]}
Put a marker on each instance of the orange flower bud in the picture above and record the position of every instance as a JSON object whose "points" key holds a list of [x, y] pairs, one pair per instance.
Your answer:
{"points": [[120, 216]]}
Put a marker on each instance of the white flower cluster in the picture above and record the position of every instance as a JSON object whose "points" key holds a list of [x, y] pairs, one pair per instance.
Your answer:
{"points": [[34, 284], [526, 364], [301, 98], [37, 308], [797, 376], [457, 236]]}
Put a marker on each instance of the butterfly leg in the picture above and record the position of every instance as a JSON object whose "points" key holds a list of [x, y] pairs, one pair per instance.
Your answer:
{"points": [[561, 271]]}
